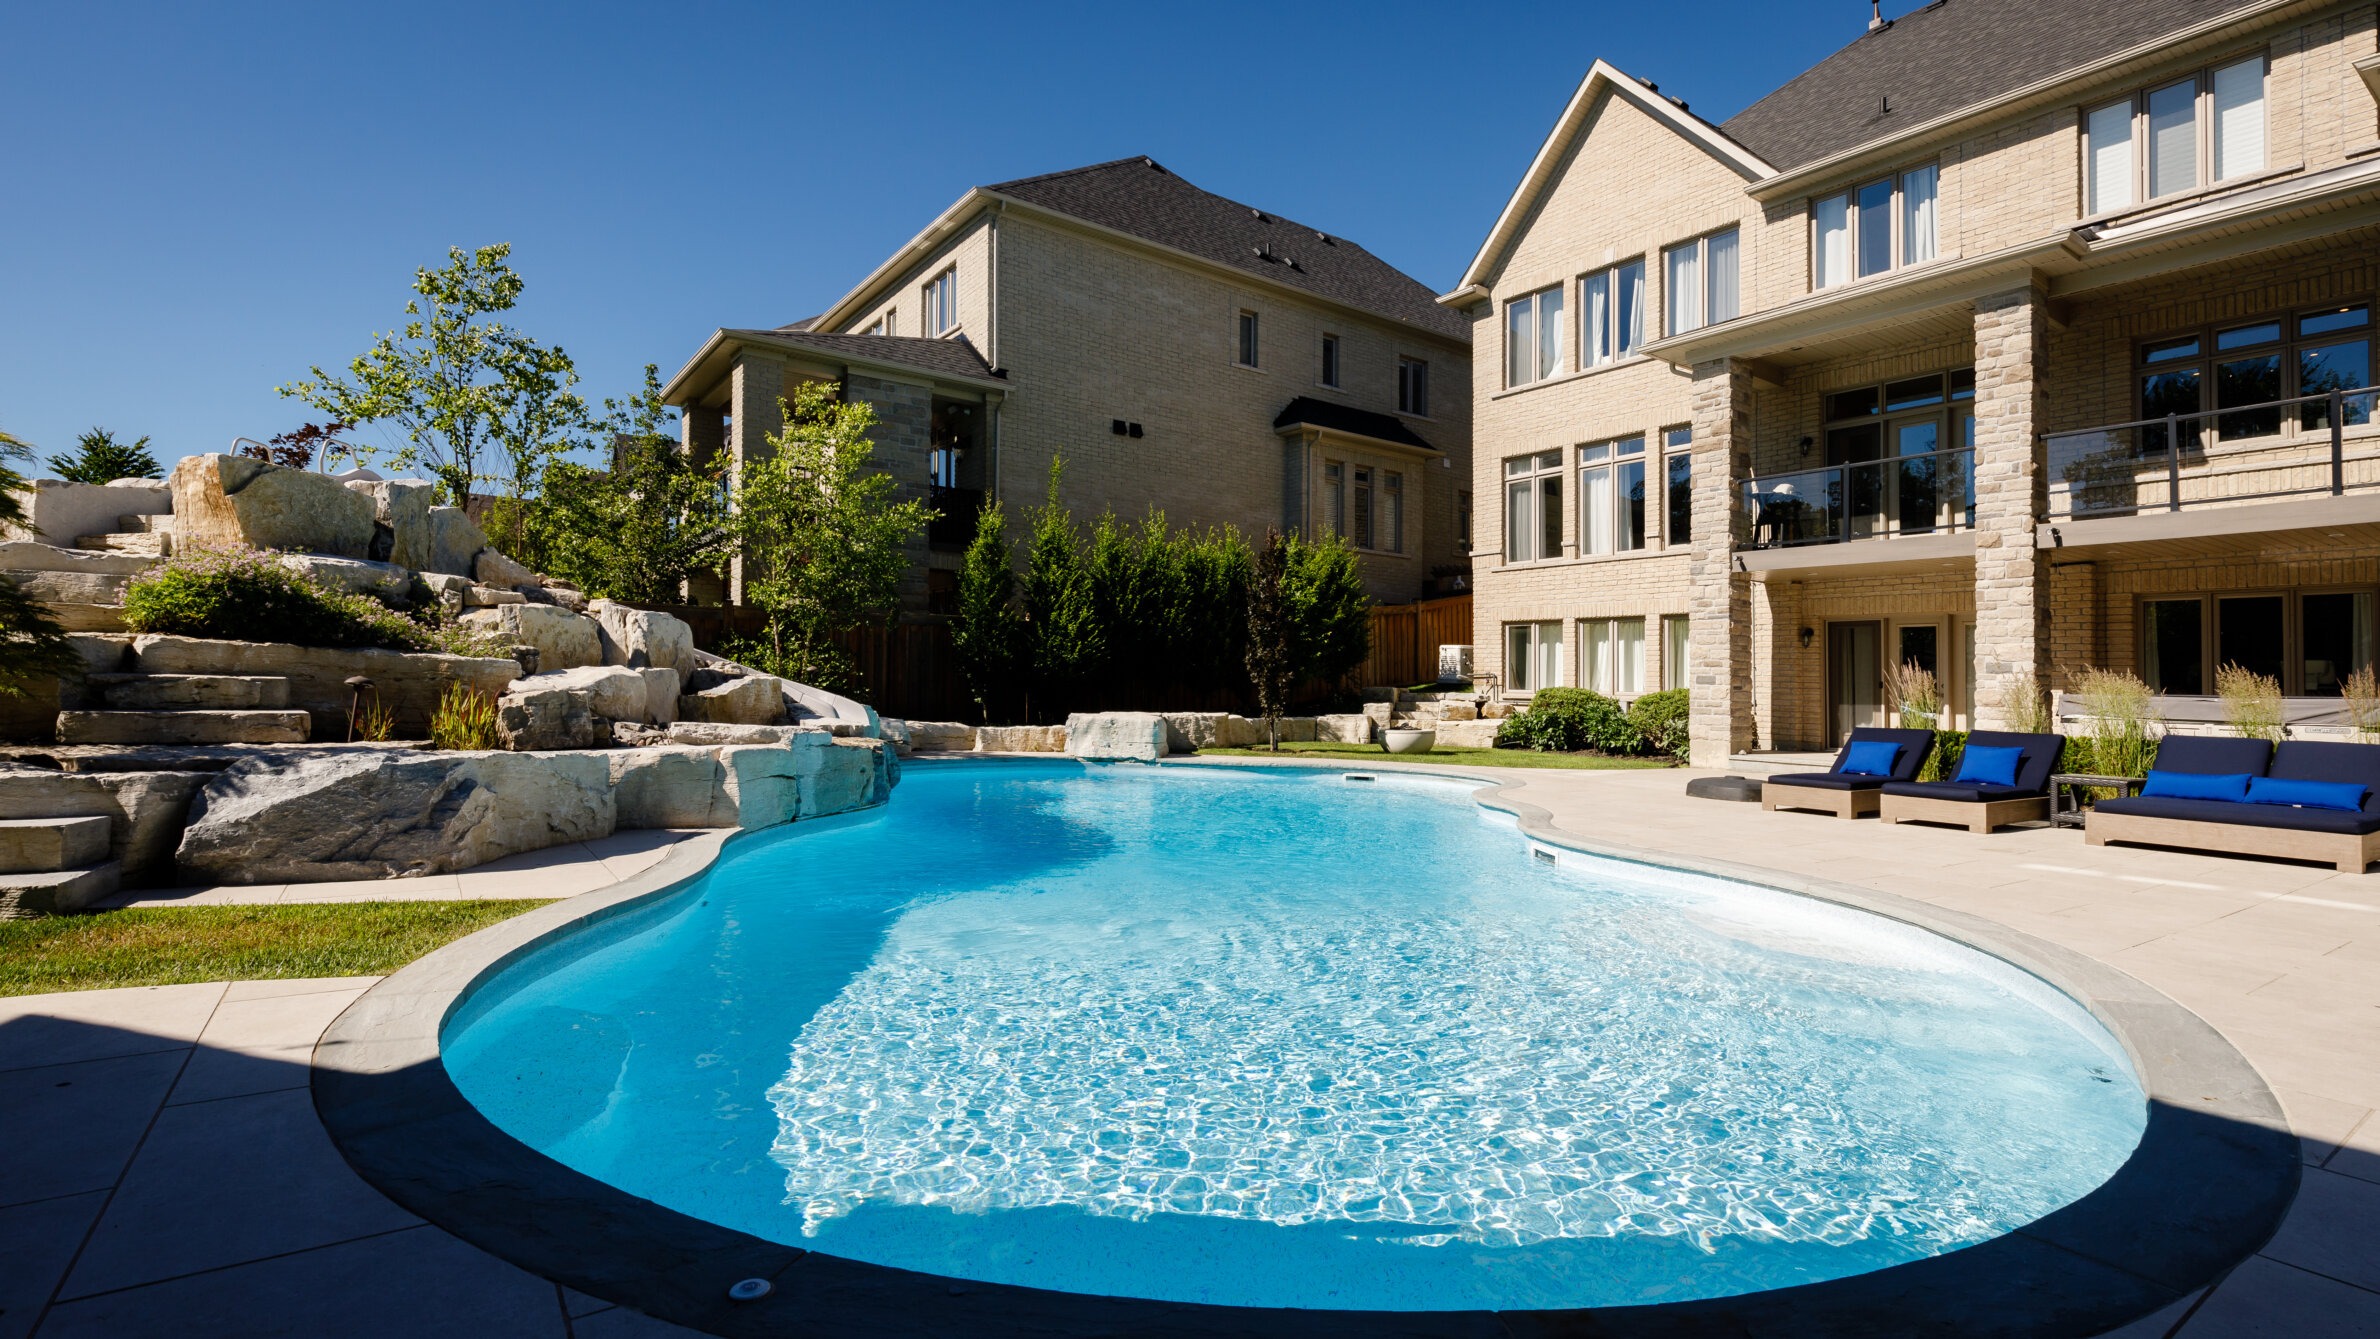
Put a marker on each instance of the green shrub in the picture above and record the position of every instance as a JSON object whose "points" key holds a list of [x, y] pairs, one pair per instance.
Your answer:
{"points": [[1660, 720], [245, 595], [465, 720], [1565, 720], [1943, 763]]}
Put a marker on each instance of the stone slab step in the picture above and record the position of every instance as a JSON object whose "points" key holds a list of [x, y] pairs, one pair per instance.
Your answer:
{"points": [[144, 523], [25, 896], [25, 555], [73, 587], [183, 727], [75, 616], [147, 545], [47, 845], [186, 692]]}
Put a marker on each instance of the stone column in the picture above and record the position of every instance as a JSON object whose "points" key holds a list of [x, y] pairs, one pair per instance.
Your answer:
{"points": [[903, 438], [1719, 635], [702, 433], [2011, 577], [756, 387]]}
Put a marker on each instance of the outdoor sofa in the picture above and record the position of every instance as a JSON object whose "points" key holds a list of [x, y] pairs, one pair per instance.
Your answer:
{"points": [[1846, 793], [2002, 778], [2246, 797]]}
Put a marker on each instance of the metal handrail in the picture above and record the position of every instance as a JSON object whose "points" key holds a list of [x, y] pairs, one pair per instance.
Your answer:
{"points": [[2336, 418], [1836, 506], [2332, 396]]}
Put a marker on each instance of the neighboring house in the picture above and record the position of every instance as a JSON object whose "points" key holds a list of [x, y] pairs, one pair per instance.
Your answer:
{"points": [[1962, 348], [1179, 350]]}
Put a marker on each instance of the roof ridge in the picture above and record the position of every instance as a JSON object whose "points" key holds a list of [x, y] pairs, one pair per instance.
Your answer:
{"points": [[1078, 171]]}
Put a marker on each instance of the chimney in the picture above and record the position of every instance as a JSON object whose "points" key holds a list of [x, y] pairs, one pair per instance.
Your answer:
{"points": [[1875, 15]]}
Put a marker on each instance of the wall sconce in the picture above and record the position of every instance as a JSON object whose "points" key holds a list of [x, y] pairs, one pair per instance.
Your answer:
{"points": [[1807, 443], [1804, 636]]}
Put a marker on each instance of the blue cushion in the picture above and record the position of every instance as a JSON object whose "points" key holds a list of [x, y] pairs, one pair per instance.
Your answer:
{"points": [[2196, 785], [1989, 766], [2347, 795], [1871, 757]]}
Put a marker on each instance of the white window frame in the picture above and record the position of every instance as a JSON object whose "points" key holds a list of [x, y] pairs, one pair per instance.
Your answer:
{"points": [[1604, 339], [884, 325], [1677, 651], [1532, 493], [1605, 663], [2132, 154], [1330, 361], [1247, 344], [1689, 271], [1912, 215], [941, 295], [1532, 652], [1534, 327], [1413, 386], [1602, 497]]}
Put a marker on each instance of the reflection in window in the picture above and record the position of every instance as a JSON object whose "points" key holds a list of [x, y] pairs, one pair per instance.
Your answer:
{"points": [[2173, 646]]}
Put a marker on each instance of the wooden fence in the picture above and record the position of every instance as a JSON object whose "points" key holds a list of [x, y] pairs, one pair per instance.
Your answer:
{"points": [[1406, 638]]}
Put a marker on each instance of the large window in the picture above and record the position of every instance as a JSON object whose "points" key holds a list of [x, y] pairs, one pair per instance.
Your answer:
{"points": [[1677, 486], [2236, 367], [2170, 139], [1701, 281], [1413, 387], [942, 302], [1533, 507], [1611, 655], [1901, 447], [1377, 509], [1532, 337], [1532, 656], [1334, 496], [2308, 641], [1247, 351], [1674, 665], [1330, 360], [1612, 314], [1886, 223], [1611, 496]]}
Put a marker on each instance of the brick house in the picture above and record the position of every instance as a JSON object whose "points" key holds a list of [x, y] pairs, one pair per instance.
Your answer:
{"points": [[1181, 351], [2014, 337]]}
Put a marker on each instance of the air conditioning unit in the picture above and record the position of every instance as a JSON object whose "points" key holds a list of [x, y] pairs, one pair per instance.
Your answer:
{"points": [[1454, 664]]}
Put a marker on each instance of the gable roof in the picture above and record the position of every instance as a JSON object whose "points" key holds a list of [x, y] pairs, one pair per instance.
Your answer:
{"points": [[1307, 412], [1600, 77], [1139, 197], [1948, 56]]}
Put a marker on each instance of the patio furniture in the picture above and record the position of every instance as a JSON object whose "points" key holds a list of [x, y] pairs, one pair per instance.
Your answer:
{"points": [[2229, 799], [1981, 797], [2066, 807], [1849, 794], [1779, 516]]}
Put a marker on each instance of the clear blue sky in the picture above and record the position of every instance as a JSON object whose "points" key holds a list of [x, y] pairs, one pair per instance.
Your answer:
{"points": [[199, 201]]}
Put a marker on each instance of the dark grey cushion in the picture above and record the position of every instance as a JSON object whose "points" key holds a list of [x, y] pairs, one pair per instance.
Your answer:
{"points": [[2245, 815], [1825, 781], [2208, 755], [1962, 791]]}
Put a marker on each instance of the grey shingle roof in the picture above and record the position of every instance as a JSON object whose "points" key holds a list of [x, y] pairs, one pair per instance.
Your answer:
{"points": [[1314, 413], [1137, 196], [1949, 55], [947, 357]]}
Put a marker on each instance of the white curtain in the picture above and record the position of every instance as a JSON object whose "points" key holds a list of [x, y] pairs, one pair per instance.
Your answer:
{"points": [[1549, 656], [1549, 332], [2239, 119], [1673, 652], [1630, 655], [1597, 323], [1517, 343], [1919, 240], [1520, 527], [1834, 240], [2110, 156], [1631, 323], [2173, 139], [1595, 510], [1594, 656], [1720, 265], [1685, 287]]}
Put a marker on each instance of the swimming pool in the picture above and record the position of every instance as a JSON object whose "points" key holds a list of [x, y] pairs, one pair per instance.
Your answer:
{"points": [[1275, 1038]]}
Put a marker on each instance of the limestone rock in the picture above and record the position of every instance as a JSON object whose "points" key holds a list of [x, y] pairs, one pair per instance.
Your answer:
{"points": [[940, 736], [1349, 729], [661, 695], [756, 699], [233, 500], [643, 638], [611, 692], [564, 640], [1021, 739], [83, 588], [446, 591], [1135, 736], [408, 683], [562, 596], [145, 810], [24, 555], [544, 718], [386, 582], [58, 512], [476, 596], [454, 541], [1189, 730], [400, 518], [1473, 734], [540, 800], [670, 788], [491, 568], [717, 732]]}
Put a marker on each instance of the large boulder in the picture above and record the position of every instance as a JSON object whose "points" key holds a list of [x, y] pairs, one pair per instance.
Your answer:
{"points": [[408, 683], [400, 518], [58, 512], [1129, 736], [536, 718], [940, 736], [661, 694], [564, 640], [811, 775], [612, 692], [643, 638], [1186, 731], [1348, 729], [145, 810], [491, 568], [380, 813], [454, 541], [1467, 734], [1021, 739], [386, 582], [670, 787], [234, 501], [754, 699]]}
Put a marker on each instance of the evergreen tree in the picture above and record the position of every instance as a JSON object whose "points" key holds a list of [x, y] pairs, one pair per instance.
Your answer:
{"points": [[988, 630], [99, 458], [1329, 611], [1062, 633]]}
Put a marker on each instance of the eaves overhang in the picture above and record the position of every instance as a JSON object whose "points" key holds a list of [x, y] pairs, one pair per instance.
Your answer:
{"points": [[710, 362]]}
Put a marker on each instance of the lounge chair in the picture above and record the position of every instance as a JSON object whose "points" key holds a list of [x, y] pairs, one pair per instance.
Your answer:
{"points": [[1849, 794], [1974, 800], [2345, 836]]}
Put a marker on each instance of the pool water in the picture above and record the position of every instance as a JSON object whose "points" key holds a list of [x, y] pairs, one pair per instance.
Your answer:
{"points": [[1278, 1038]]}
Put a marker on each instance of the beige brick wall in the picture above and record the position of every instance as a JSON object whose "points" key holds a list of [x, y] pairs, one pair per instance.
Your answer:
{"points": [[970, 251]]}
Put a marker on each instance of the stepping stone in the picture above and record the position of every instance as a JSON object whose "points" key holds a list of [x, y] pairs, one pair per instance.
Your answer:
{"points": [[183, 727], [206, 692], [1745, 788], [24, 896], [47, 845], [143, 543]]}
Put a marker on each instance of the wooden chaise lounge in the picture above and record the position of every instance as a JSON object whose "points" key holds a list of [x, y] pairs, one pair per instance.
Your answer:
{"points": [[1849, 794], [1976, 804], [2346, 838]]}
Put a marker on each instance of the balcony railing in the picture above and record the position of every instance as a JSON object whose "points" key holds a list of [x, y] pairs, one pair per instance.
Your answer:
{"points": [[2305, 445], [959, 507], [1926, 494]]}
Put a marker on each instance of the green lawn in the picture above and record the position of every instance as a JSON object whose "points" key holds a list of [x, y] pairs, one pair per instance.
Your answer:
{"points": [[162, 946], [1372, 753]]}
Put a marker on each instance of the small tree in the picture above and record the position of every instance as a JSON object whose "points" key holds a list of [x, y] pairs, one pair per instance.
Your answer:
{"points": [[1062, 632], [1272, 654], [636, 531], [988, 630], [99, 458], [305, 446], [31, 641], [825, 545], [1331, 616]]}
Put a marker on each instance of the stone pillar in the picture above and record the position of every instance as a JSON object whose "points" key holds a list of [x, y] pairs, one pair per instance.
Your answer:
{"points": [[756, 389], [1719, 637], [903, 439], [2011, 576], [702, 433]]}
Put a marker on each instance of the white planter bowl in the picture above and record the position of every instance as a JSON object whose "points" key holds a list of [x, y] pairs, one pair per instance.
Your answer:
{"points": [[1409, 741]]}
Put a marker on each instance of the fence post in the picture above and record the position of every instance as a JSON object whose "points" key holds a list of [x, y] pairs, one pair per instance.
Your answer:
{"points": [[2173, 462], [2338, 441]]}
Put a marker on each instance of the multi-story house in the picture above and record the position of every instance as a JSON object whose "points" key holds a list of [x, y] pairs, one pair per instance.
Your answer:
{"points": [[1181, 351], [2016, 337]]}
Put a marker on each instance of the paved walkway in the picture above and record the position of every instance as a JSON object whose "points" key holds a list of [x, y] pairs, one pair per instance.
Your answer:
{"points": [[557, 871], [164, 1173]]}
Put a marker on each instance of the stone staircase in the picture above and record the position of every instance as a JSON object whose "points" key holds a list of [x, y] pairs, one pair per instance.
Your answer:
{"points": [[141, 535], [186, 709], [49, 866]]}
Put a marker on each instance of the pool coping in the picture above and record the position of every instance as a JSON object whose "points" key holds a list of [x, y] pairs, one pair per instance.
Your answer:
{"points": [[2215, 1170]]}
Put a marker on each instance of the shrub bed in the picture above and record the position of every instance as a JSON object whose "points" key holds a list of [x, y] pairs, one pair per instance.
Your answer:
{"points": [[1565, 720], [245, 595]]}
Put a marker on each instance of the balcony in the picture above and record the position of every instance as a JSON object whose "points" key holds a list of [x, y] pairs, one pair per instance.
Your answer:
{"points": [[1932, 493], [958, 509], [2307, 447]]}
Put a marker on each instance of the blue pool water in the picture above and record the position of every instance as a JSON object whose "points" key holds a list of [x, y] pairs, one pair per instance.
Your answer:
{"points": [[1283, 1039]]}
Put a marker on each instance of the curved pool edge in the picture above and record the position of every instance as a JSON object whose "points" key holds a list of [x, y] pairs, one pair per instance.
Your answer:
{"points": [[2207, 1186]]}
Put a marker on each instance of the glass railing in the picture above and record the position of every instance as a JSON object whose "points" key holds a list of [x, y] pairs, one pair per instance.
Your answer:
{"points": [[2305, 445], [1930, 493]]}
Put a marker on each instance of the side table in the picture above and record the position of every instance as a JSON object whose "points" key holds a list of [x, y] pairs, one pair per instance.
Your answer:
{"points": [[2066, 807]]}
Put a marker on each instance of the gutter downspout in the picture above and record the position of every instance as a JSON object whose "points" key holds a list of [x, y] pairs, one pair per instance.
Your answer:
{"points": [[992, 332]]}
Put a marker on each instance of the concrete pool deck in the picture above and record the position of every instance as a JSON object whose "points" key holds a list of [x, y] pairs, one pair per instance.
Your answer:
{"points": [[183, 1174]]}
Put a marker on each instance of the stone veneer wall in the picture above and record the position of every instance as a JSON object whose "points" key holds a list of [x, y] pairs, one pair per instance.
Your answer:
{"points": [[2011, 575], [1719, 646]]}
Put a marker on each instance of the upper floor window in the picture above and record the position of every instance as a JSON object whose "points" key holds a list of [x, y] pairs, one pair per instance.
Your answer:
{"points": [[1612, 319], [1533, 337], [1247, 348], [884, 325], [1886, 223], [1330, 360], [1533, 507], [2164, 141], [1462, 522], [942, 302], [2254, 363], [1611, 496], [1413, 387], [1701, 282]]}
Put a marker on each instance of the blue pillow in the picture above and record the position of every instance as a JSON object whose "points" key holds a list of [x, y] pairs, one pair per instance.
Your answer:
{"points": [[1870, 757], [1989, 766], [2231, 786], [2347, 795]]}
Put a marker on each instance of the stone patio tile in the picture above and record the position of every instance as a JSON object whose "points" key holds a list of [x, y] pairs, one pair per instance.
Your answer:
{"points": [[2157, 1324], [2359, 1153], [622, 1323], [2265, 1299], [38, 1241], [224, 1183], [583, 875], [296, 985], [87, 1025], [2174, 966], [400, 1285], [73, 1128], [2331, 1229], [2322, 1123], [2309, 1065], [260, 1045], [428, 888]]}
